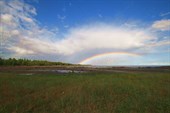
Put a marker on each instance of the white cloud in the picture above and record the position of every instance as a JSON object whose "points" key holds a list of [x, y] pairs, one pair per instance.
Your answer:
{"points": [[38, 46], [162, 25], [102, 37], [15, 32], [6, 17], [91, 37], [21, 51], [17, 21]]}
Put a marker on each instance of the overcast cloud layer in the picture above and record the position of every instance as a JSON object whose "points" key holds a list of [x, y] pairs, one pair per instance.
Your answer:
{"points": [[22, 36]]}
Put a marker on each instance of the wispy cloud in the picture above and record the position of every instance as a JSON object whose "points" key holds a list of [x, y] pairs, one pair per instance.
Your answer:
{"points": [[62, 18], [18, 23], [162, 25], [100, 15], [165, 14]]}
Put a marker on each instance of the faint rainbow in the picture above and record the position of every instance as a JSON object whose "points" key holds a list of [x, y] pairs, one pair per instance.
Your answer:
{"points": [[105, 54]]}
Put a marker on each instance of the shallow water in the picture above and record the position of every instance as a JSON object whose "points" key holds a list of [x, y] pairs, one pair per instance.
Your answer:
{"points": [[60, 71]]}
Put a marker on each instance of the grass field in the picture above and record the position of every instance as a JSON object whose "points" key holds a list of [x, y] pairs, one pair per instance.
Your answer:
{"points": [[90, 92]]}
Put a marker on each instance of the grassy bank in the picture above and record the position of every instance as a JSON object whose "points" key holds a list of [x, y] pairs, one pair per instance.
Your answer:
{"points": [[85, 93]]}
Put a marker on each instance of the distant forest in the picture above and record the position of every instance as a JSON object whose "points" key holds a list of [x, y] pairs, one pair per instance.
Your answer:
{"points": [[26, 62]]}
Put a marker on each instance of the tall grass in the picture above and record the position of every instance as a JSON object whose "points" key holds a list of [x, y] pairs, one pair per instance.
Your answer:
{"points": [[85, 93]]}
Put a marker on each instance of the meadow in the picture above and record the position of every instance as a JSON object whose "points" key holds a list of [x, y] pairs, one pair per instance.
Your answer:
{"points": [[88, 92]]}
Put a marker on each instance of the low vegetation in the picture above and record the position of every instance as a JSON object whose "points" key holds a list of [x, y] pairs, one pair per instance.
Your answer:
{"points": [[90, 92]]}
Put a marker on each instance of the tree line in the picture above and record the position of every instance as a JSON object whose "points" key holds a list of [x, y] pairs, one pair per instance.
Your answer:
{"points": [[27, 62]]}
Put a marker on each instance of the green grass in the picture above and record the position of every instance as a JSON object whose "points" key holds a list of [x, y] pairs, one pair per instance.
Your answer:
{"points": [[85, 93]]}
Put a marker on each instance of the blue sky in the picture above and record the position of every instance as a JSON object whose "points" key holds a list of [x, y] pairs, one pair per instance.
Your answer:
{"points": [[84, 11], [76, 30]]}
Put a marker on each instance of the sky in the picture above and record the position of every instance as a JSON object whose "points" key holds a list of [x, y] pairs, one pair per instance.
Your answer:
{"points": [[96, 32]]}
